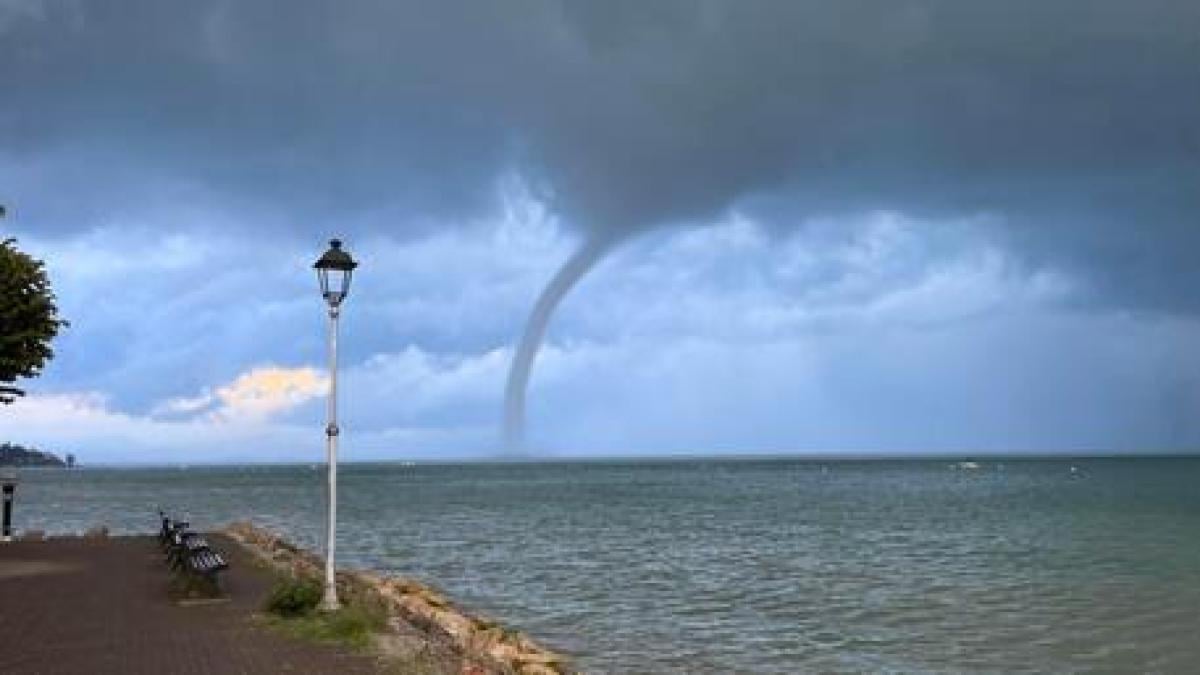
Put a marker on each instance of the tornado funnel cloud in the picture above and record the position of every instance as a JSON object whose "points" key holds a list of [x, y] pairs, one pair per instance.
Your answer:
{"points": [[592, 250]]}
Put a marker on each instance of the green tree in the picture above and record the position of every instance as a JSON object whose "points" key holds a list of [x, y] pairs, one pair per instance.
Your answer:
{"points": [[28, 318]]}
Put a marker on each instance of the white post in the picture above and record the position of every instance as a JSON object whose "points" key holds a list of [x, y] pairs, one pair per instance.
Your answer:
{"points": [[330, 601]]}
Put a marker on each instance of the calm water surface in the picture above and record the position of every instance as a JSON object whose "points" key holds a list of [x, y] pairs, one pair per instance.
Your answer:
{"points": [[744, 566]]}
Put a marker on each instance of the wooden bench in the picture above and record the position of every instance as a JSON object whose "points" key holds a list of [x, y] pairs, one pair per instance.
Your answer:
{"points": [[188, 551]]}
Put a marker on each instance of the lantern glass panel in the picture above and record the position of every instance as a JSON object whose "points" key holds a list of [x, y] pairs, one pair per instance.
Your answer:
{"points": [[323, 279]]}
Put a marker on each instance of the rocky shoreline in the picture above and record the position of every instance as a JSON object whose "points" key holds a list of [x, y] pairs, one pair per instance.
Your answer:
{"points": [[415, 610]]}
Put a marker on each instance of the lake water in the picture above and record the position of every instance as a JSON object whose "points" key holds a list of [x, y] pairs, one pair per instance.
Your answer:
{"points": [[743, 566]]}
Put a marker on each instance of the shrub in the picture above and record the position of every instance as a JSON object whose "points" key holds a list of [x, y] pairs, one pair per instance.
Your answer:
{"points": [[294, 597]]}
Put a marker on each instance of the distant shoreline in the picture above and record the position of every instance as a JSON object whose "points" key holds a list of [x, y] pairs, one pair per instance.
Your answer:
{"points": [[849, 458], [14, 456]]}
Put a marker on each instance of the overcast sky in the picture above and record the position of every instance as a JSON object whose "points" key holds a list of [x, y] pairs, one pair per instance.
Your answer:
{"points": [[923, 226]]}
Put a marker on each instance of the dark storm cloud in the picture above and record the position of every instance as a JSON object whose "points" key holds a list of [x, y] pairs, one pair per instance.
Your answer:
{"points": [[1076, 123]]}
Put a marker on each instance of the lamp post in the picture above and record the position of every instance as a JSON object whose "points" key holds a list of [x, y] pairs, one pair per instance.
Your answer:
{"points": [[8, 485], [334, 269]]}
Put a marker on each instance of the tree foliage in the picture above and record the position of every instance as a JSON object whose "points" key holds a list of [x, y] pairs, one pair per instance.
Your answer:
{"points": [[29, 319]]}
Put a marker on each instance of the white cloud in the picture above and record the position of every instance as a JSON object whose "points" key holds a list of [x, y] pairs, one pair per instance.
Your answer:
{"points": [[1034, 381], [413, 383], [258, 394], [737, 281], [183, 405], [85, 424], [268, 390]]}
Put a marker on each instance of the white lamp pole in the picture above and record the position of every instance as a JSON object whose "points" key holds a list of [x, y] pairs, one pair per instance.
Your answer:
{"points": [[334, 270]]}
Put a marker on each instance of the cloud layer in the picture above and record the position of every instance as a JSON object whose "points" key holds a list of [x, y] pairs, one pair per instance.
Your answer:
{"points": [[1076, 121], [928, 223], [876, 335]]}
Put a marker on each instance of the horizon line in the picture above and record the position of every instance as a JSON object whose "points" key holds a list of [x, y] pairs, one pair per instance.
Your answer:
{"points": [[989, 456]]}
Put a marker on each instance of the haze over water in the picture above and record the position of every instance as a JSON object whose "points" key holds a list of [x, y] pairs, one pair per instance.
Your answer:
{"points": [[744, 566]]}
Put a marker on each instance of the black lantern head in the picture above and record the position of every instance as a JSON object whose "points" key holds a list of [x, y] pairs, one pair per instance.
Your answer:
{"points": [[334, 270]]}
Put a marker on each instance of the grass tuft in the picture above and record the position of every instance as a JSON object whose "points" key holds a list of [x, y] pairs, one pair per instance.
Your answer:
{"points": [[349, 626]]}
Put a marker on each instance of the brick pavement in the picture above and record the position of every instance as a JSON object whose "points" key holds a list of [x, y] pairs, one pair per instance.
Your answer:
{"points": [[76, 606]]}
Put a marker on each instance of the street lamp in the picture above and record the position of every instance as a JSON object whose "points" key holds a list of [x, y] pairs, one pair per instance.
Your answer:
{"points": [[334, 269]]}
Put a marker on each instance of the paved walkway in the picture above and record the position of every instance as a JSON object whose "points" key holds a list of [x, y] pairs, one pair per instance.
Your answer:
{"points": [[74, 606]]}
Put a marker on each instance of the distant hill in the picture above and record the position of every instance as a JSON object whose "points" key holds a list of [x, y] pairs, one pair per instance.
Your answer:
{"points": [[16, 455]]}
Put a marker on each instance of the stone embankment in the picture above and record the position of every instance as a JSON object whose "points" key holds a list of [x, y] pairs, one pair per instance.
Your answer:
{"points": [[413, 607]]}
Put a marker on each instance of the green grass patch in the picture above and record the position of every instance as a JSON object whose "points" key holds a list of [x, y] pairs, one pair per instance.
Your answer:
{"points": [[349, 626], [291, 607], [291, 610]]}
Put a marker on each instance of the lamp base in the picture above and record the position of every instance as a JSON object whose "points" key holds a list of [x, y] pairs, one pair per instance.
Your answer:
{"points": [[329, 603]]}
